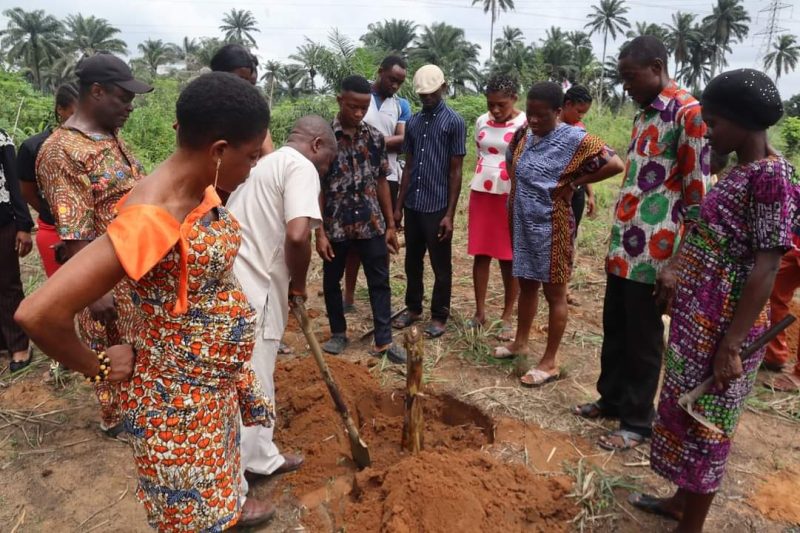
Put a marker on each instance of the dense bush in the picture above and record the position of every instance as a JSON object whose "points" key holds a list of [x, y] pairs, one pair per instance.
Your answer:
{"points": [[790, 132], [23, 107]]}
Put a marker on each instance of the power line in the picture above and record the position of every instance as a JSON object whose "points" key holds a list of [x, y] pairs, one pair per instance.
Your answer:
{"points": [[772, 28]]}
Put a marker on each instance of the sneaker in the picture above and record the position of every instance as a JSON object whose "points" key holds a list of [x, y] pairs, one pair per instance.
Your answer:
{"points": [[336, 344]]}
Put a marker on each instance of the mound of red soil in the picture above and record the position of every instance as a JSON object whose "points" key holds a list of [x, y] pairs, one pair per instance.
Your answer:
{"points": [[463, 491], [451, 486]]}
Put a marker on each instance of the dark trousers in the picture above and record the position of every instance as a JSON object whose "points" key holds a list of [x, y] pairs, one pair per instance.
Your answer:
{"points": [[422, 234], [394, 189], [630, 361], [374, 258], [12, 338], [578, 204]]}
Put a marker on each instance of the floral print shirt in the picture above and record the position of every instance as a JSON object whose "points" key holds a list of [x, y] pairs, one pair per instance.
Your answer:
{"points": [[666, 177], [350, 189], [83, 176]]}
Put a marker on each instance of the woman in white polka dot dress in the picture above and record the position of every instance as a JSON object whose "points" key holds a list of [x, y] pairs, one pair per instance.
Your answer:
{"points": [[489, 236]]}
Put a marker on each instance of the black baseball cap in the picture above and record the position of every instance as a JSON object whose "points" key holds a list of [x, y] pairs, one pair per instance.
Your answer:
{"points": [[107, 68]]}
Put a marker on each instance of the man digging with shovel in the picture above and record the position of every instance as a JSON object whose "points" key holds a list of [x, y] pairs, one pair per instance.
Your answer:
{"points": [[277, 208]]}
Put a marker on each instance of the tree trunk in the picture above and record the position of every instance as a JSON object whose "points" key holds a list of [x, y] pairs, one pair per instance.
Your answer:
{"points": [[491, 36], [413, 422], [271, 89], [603, 75]]}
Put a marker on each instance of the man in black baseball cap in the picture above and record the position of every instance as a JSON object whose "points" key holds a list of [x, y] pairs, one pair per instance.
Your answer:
{"points": [[84, 169]]}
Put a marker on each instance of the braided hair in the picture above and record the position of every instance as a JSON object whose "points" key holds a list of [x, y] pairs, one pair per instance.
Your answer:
{"points": [[502, 83], [66, 95]]}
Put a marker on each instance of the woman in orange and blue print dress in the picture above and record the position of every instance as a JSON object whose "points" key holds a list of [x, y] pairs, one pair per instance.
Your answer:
{"points": [[186, 380]]}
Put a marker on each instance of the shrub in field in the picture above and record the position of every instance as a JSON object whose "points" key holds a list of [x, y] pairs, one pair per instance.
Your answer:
{"points": [[22, 105], [790, 132], [286, 112], [149, 131]]}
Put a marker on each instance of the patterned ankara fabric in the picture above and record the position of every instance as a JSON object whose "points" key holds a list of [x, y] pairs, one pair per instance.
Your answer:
{"points": [[752, 209], [666, 177], [350, 192], [491, 139], [192, 377], [543, 231], [83, 177]]}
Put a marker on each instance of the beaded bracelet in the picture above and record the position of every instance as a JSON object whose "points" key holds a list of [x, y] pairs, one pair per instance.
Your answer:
{"points": [[105, 368]]}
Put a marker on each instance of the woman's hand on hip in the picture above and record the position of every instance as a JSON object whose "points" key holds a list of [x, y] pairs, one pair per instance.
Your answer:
{"points": [[122, 358]]}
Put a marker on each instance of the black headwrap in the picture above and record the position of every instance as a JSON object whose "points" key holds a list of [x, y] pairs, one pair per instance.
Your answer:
{"points": [[744, 96]]}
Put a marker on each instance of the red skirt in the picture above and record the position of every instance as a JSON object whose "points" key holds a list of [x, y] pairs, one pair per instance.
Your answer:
{"points": [[488, 232], [46, 238]]}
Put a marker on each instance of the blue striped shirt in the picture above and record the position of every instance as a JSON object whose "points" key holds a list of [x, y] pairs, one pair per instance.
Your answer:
{"points": [[431, 139]]}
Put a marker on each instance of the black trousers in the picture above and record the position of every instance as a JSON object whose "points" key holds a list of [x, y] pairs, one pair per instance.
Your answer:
{"points": [[375, 259], [422, 234], [578, 205], [394, 189], [630, 361], [12, 338]]}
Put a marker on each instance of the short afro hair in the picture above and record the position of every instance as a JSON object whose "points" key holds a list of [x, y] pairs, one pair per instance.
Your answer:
{"points": [[501, 83], [390, 61], [578, 94], [233, 56], [549, 92], [644, 50], [220, 106], [357, 84]]}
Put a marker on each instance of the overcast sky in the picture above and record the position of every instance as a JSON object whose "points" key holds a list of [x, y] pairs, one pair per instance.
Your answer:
{"points": [[285, 23]]}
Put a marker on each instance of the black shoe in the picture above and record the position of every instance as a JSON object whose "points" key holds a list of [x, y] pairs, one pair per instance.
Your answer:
{"points": [[16, 366]]}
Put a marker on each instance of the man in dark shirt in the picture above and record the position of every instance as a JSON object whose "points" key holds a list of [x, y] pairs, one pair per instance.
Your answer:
{"points": [[15, 242], [434, 144], [357, 213]]}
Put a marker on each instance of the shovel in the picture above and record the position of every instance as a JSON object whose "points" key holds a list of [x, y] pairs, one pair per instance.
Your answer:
{"points": [[358, 447], [687, 401]]}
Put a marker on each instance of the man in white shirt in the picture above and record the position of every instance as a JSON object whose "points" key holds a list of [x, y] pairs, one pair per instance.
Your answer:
{"points": [[277, 207], [388, 114]]}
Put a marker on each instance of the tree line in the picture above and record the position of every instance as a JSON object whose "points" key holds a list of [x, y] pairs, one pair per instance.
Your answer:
{"points": [[45, 49]]}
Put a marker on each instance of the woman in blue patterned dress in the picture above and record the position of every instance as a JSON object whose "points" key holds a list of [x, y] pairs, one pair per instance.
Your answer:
{"points": [[547, 161], [724, 271]]}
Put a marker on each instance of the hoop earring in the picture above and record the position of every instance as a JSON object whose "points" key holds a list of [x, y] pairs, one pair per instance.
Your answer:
{"points": [[216, 174]]}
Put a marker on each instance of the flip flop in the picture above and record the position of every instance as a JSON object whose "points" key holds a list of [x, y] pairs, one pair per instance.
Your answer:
{"points": [[507, 333], [630, 440], [785, 383], [589, 411], [284, 349], [434, 330], [501, 352], [404, 320], [540, 377], [650, 504]]}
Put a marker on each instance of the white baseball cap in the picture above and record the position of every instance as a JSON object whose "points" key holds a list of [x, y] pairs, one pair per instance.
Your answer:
{"points": [[428, 79]]}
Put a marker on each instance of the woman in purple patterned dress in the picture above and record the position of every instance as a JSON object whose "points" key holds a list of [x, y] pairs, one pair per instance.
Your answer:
{"points": [[725, 271]]}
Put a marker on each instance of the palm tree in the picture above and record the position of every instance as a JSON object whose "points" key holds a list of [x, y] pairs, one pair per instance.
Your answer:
{"points": [[291, 80], [272, 71], [156, 53], [391, 36], [512, 37], [310, 55], [608, 17], [446, 46], [557, 54], [494, 6], [206, 49], [784, 55], [727, 23], [188, 51], [679, 35], [697, 70], [33, 39], [238, 26], [644, 28], [89, 35]]}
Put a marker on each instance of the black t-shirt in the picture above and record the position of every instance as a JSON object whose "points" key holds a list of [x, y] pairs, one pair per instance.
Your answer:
{"points": [[26, 169]]}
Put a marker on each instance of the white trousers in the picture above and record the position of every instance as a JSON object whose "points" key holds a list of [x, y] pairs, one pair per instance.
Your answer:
{"points": [[259, 453]]}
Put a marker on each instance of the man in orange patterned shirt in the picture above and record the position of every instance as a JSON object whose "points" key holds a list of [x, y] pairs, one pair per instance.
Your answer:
{"points": [[83, 170]]}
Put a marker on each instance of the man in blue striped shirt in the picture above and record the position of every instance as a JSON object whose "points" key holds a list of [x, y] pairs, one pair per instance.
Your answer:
{"points": [[435, 145]]}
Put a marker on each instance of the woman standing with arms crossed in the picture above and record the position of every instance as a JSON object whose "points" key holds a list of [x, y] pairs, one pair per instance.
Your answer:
{"points": [[488, 234], [186, 380], [548, 161]]}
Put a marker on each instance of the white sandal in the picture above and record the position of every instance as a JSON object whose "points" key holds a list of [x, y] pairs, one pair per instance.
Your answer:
{"points": [[539, 377]]}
